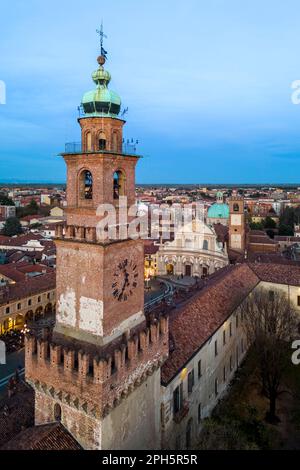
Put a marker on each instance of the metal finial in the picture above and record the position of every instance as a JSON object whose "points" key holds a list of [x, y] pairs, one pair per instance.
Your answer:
{"points": [[103, 52]]}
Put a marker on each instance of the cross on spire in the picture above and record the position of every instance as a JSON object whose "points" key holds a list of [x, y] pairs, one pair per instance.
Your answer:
{"points": [[103, 52]]}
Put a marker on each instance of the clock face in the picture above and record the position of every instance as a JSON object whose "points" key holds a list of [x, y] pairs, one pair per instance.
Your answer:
{"points": [[124, 280]]}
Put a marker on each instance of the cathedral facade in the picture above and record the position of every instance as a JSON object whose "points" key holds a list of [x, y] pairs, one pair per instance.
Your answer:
{"points": [[195, 251]]}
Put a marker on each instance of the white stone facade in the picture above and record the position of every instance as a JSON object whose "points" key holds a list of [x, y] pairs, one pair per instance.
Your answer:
{"points": [[194, 251]]}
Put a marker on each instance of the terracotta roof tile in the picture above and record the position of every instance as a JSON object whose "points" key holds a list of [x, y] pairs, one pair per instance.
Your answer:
{"points": [[16, 413], [194, 323], [277, 273], [31, 286], [45, 437]]}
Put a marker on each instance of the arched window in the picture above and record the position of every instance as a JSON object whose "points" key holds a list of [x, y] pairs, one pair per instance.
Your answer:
{"points": [[102, 141], [57, 412], [119, 184], [205, 245], [236, 207], [88, 141], [86, 185]]}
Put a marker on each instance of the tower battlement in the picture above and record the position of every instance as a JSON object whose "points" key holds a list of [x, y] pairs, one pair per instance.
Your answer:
{"points": [[100, 380]]}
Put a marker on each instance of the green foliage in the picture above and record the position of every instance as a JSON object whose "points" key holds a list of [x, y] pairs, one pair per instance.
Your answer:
{"points": [[256, 226], [224, 435], [31, 209], [289, 217], [12, 227], [5, 200], [235, 431], [285, 230], [269, 223], [270, 233]]}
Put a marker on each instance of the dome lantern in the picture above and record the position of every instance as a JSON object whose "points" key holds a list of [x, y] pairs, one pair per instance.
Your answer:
{"points": [[101, 101]]}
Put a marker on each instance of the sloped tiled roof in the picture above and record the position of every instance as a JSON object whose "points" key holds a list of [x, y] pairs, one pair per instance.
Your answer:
{"points": [[45, 437], [194, 323], [201, 316], [277, 273], [16, 413], [30, 286]]}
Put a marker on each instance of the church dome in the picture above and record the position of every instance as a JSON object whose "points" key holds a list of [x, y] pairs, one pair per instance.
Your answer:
{"points": [[218, 211], [101, 101]]}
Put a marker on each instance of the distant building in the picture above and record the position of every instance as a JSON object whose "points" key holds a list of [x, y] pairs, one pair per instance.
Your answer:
{"points": [[218, 212], [46, 199], [56, 212], [29, 220], [7, 211], [195, 251], [27, 291], [258, 241]]}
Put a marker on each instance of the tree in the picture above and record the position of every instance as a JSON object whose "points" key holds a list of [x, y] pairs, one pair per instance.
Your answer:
{"points": [[285, 230], [270, 233], [5, 200], [256, 225], [12, 227], [31, 209], [269, 222], [270, 321]]}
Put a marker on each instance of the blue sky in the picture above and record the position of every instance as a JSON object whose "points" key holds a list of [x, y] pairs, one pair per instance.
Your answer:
{"points": [[207, 83]]}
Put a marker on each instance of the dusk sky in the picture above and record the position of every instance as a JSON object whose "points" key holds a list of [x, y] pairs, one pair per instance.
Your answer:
{"points": [[207, 84]]}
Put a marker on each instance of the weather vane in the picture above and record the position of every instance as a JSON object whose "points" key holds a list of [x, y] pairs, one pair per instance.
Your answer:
{"points": [[103, 52]]}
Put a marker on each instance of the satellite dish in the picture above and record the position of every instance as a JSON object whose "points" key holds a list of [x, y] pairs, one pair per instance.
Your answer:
{"points": [[2, 352]]}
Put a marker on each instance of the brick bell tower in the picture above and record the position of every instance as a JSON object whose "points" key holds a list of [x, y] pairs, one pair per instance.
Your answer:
{"points": [[98, 372], [237, 222]]}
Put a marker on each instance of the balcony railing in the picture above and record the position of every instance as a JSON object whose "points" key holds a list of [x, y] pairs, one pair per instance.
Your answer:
{"points": [[128, 148]]}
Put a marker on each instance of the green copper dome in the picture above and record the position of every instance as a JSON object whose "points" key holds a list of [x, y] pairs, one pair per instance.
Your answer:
{"points": [[218, 211], [101, 101]]}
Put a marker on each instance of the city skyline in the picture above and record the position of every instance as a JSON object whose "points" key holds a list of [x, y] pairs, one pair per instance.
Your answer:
{"points": [[210, 100]]}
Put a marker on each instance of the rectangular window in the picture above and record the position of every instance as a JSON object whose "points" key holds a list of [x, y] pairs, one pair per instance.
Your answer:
{"points": [[216, 348], [298, 300], [271, 295], [216, 387], [199, 369], [230, 329], [29, 302], [224, 374], [242, 345], [230, 363], [19, 306], [177, 398], [7, 310], [224, 337], [190, 381], [237, 321], [199, 413]]}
